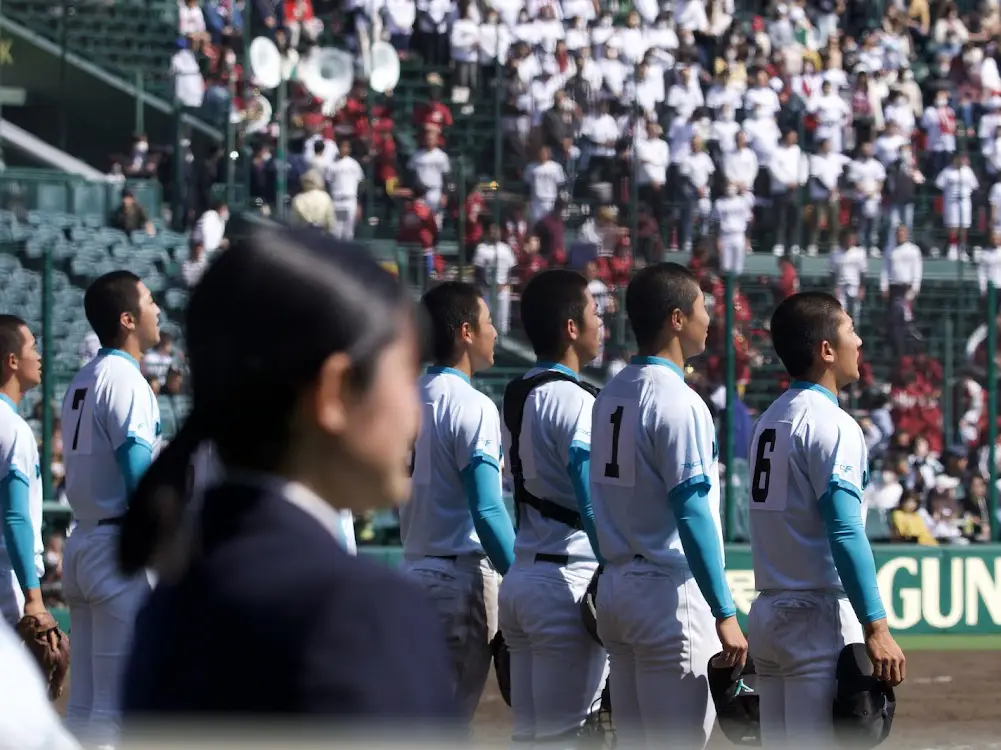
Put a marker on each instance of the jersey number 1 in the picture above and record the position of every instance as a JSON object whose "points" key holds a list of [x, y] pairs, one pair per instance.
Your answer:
{"points": [[763, 466], [79, 396], [612, 467]]}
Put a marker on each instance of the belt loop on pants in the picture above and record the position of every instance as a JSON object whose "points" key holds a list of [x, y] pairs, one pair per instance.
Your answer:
{"points": [[543, 557], [113, 521]]}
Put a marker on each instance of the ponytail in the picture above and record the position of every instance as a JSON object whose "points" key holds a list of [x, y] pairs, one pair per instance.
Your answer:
{"points": [[157, 504]]}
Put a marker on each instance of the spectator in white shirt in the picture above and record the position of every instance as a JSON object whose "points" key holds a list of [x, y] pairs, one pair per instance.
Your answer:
{"points": [[193, 268], [465, 40], [545, 178], [210, 228], [189, 86], [939, 123], [600, 132], [762, 95], [833, 114], [493, 261], [868, 176], [430, 165], [763, 134], [849, 264], [989, 267], [399, 22], [191, 24], [741, 166], [695, 169], [494, 40], [433, 18], [724, 129], [902, 268], [653, 157], [957, 183], [788, 170], [344, 175], [826, 168]]}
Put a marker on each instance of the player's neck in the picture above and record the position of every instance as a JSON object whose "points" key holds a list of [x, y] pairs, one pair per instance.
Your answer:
{"points": [[671, 351], [463, 364], [12, 390], [131, 347], [570, 360], [825, 379]]}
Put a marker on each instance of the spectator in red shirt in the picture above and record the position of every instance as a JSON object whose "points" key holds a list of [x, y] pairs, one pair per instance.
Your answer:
{"points": [[475, 208], [419, 227], [529, 260], [434, 113], [551, 236]]}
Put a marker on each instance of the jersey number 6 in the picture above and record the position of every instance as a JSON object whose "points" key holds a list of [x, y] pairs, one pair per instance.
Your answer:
{"points": [[763, 466]]}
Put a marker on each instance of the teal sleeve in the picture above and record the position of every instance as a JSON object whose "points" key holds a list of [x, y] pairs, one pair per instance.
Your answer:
{"points": [[481, 479], [579, 470], [134, 457], [841, 509], [18, 534], [700, 539]]}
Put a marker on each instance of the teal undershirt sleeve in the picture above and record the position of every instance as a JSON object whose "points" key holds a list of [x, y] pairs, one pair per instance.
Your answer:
{"points": [[579, 470], [700, 540], [134, 457], [18, 534], [841, 509], [481, 479]]}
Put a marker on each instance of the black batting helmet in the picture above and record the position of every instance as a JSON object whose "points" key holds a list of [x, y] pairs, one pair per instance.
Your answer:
{"points": [[864, 705], [735, 694]]}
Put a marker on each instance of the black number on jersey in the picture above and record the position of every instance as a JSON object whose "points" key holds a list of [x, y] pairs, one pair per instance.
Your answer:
{"points": [[612, 467], [763, 466], [79, 396], [413, 458]]}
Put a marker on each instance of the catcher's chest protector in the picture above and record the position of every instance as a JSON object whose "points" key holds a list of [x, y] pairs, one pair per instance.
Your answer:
{"points": [[515, 396]]}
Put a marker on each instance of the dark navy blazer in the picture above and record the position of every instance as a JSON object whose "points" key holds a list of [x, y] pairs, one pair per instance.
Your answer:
{"points": [[275, 617]]}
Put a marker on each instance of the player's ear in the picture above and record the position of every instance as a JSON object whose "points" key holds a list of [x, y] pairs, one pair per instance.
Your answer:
{"points": [[677, 320], [330, 391], [827, 351], [128, 321]]}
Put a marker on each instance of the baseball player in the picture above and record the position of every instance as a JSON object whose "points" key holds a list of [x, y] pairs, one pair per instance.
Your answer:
{"points": [[344, 175], [812, 561], [457, 535], [732, 213], [557, 669], [664, 606], [111, 424], [958, 183], [21, 549]]}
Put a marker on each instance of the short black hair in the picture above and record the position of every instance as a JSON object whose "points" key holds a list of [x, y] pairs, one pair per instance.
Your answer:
{"points": [[654, 294], [548, 301], [449, 305], [800, 324], [11, 338], [106, 299]]}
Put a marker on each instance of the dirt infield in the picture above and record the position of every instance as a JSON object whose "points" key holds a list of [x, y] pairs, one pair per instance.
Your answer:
{"points": [[952, 699]]}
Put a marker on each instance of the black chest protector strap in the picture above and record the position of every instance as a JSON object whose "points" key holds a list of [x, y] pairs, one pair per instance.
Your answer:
{"points": [[515, 396]]}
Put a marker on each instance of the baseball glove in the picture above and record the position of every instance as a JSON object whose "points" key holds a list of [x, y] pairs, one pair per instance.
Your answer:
{"points": [[50, 646]]}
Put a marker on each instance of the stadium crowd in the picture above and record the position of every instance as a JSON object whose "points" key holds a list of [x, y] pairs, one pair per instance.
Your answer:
{"points": [[818, 127]]}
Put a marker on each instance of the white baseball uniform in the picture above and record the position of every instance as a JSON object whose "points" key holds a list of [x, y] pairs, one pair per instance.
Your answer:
{"points": [[557, 669], [108, 412], [441, 548], [344, 175], [18, 462], [653, 436], [544, 181], [849, 267], [804, 448], [957, 186], [733, 213]]}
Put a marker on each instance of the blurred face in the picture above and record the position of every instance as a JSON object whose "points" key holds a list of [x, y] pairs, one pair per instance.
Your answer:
{"points": [[26, 365], [147, 327], [373, 429], [843, 354], [692, 329], [345, 148], [901, 235], [920, 447], [586, 337], [481, 341]]}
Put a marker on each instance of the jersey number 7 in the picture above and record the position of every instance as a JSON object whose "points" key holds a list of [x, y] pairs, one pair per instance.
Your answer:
{"points": [[79, 397]]}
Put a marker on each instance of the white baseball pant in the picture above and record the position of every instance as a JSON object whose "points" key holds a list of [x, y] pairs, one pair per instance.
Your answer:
{"points": [[465, 591], [795, 638], [733, 249], [345, 216], [103, 607], [11, 596], [660, 635], [557, 669], [958, 214]]}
